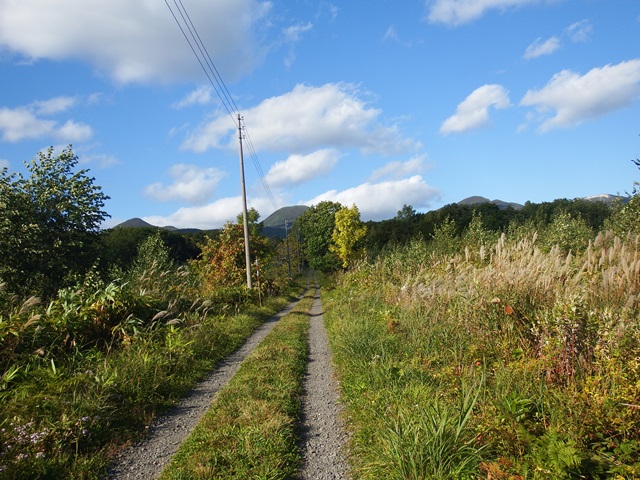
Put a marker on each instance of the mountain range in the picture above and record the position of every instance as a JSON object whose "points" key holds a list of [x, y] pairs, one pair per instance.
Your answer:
{"points": [[276, 224]]}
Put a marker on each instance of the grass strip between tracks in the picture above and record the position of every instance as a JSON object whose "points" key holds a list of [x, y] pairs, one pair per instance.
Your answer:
{"points": [[251, 429]]}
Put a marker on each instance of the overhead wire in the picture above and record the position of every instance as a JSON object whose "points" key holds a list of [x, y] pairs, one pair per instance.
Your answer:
{"points": [[219, 86], [206, 72]]}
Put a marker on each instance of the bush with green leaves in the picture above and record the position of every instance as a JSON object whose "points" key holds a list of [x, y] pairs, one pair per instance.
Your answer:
{"points": [[570, 233]]}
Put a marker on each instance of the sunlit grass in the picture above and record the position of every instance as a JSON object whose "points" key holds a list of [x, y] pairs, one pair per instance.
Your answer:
{"points": [[67, 409], [550, 339]]}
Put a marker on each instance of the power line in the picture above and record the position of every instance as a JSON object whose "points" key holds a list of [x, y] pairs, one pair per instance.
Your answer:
{"points": [[256, 163], [206, 72], [218, 85]]}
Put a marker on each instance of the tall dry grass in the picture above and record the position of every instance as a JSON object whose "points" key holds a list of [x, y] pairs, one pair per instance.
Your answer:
{"points": [[556, 335]]}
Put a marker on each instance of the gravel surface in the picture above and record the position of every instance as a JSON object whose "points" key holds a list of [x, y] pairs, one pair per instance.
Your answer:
{"points": [[323, 436], [146, 459]]}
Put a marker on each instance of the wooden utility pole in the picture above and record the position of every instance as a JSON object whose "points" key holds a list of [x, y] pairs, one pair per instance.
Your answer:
{"points": [[286, 229], [244, 208]]}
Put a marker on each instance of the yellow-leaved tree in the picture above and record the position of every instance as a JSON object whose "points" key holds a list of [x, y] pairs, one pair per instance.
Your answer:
{"points": [[347, 234]]}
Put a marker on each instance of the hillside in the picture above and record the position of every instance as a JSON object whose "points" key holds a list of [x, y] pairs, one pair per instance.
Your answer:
{"points": [[475, 200], [274, 224]]}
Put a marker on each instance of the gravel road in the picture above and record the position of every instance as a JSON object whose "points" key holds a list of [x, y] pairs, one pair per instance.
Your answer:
{"points": [[322, 433]]}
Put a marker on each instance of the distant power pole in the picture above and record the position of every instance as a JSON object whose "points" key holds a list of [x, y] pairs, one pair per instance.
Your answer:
{"points": [[286, 229], [247, 253]]}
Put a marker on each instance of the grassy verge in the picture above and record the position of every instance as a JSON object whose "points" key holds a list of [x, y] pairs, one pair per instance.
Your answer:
{"points": [[505, 362], [250, 432], [64, 416]]}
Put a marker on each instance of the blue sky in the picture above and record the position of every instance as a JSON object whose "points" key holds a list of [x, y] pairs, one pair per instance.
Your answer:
{"points": [[379, 103]]}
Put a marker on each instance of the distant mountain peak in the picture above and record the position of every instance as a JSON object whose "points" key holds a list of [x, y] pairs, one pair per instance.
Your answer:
{"points": [[135, 223], [477, 200]]}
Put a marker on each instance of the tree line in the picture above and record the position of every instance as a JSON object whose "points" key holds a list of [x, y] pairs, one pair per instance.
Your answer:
{"points": [[50, 231]]}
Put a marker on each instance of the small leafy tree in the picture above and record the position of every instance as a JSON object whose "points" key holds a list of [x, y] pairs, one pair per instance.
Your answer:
{"points": [[347, 234], [477, 235], [152, 267], [49, 223], [255, 227], [445, 240]]}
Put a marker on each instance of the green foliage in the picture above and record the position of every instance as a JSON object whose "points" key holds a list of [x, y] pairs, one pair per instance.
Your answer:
{"points": [[556, 334], [222, 263], [255, 227], [626, 217], [119, 246], [152, 269], [476, 236], [49, 223], [347, 234], [444, 240], [569, 233], [316, 227]]}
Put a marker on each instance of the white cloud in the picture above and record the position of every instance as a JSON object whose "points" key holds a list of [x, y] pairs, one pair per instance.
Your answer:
{"points": [[213, 215], [572, 98], [580, 31], [54, 105], [294, 32], [392, 34], [399, 169], [379, 201], [134, 41], [4, 163], [190, 183], [539, 48], [200, 96], [307, 118], [457, 12], [376, 201], [22, 123], [298, 169], [74, 131], [473, 112], [87, 155]]}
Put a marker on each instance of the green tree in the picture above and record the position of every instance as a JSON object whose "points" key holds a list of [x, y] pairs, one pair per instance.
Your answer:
{"points": [[445, 239], [153, 267], [49, 223], [316, 228], [347, 234], [255, 227]]}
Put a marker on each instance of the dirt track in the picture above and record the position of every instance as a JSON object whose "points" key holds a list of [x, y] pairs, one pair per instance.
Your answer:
{"points": [[322, 436]]}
